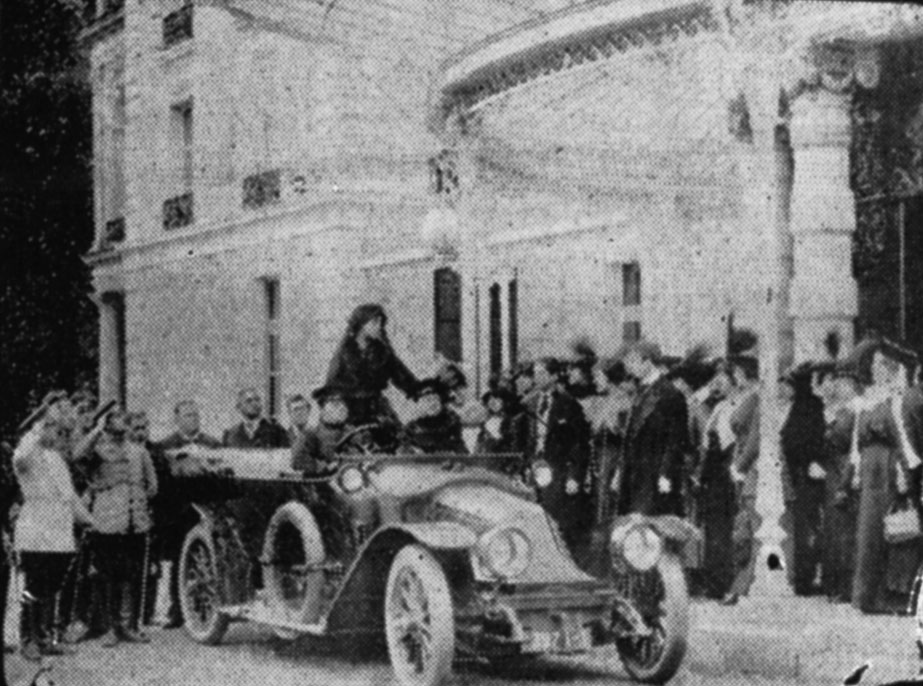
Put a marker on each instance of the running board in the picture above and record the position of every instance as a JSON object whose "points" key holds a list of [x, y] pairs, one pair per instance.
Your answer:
{"points": [[264, 615]]}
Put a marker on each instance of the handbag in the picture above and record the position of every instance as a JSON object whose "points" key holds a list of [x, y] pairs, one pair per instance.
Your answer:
{"points": [[902, 523]]}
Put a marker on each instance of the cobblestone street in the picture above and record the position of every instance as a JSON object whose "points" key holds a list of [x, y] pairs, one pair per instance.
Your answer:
{"points": [[251, 655]]}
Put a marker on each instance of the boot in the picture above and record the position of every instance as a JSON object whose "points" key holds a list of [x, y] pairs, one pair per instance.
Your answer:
{"points": [[126, 631], [50, 645], [28, 637]]}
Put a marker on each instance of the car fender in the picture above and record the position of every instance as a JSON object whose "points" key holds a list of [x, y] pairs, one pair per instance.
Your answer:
{"points": [[680, 536], [357, 607]]}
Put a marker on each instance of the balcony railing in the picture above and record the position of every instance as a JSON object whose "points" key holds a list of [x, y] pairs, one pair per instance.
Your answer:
{"points": [[177, 26], [262, 189], [115, 231], [178, 212]]}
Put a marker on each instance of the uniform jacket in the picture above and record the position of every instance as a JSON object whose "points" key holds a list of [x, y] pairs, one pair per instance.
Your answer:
{"points": [[121, 487], [269, 434], [656, 441], [441, 433], [50, 505]]}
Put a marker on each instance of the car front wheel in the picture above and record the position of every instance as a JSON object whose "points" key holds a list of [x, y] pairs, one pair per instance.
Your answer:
{"points": [[199, 594], [663, 600], [419, 621]]}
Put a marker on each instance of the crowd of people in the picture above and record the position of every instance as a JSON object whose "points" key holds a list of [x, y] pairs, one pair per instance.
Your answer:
{"points": [[637, 432]]}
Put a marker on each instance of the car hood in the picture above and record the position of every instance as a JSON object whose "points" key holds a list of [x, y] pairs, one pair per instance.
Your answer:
{"points": [[484, 508]]}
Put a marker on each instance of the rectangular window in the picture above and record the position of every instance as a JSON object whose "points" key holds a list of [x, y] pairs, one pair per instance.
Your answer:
{"points": [[631, 332], [513, 322], [273, 353], [181, 135], [177, 26], [114, 328], [447, 313], [496, 331], [631, 284]]}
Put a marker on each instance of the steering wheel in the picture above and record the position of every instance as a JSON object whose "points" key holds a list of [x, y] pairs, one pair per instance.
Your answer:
{"points": [[359, 439]]}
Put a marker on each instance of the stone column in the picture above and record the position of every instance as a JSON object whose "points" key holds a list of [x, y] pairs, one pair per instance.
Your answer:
{"points": [[110, 365], [823, 290]]}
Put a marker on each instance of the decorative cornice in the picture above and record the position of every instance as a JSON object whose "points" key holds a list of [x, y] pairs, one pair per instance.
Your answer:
{"points": [[565, 41]]}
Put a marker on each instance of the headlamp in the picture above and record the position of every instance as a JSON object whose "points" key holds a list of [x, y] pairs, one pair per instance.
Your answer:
{"points": [[505, 552], [641, 547], [351, 479], [542, 474]]}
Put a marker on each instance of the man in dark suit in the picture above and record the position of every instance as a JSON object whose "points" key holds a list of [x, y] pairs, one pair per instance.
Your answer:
{"points": [[558, 433], [255, 431], [168, 512], [656, 438]]}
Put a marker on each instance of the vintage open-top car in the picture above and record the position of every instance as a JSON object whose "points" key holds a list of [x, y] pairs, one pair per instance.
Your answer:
{"points": [[444, 555]]}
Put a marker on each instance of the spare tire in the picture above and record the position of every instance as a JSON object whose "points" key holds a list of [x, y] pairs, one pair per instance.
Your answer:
{"points": [[291, 547]]}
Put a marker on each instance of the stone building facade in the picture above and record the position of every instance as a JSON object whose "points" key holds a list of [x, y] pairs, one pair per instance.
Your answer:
{"points": [[503, 176]]}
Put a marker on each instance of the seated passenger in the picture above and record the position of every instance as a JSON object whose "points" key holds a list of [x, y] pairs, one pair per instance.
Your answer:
{"points": [[438, 429], [314, 450]]}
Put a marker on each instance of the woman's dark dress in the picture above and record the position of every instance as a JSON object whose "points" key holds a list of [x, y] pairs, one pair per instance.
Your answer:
{"points": [[362, 375], [882, 570]]}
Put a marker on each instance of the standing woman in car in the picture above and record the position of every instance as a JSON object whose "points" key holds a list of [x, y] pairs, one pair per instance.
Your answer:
{"points": [[364, 365]]}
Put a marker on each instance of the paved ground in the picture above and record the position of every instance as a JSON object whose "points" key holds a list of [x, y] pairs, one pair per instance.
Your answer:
{"points": [[838, 639]]}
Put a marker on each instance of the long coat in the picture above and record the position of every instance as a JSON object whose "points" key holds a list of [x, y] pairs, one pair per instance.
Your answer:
{"points": [[839, 508], [655, 446], [566, 449], [802, 441]]}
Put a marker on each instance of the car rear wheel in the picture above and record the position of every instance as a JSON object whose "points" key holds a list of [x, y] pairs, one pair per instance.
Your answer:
{"points": [[292, 546], [419, 620], [661, 597], [199, 594]]}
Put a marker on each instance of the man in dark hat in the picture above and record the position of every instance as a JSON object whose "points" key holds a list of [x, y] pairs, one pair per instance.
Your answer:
{"points": [[656, 439], [558, 432], [314, 452], [438, 429]]}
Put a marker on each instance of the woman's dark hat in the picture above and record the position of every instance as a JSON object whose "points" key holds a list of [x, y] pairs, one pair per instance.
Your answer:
{"points": [[505, 394], [432, 385]]}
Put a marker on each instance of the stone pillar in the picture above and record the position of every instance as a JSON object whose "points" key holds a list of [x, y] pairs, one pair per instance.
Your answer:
{"points": [[823, 291]]}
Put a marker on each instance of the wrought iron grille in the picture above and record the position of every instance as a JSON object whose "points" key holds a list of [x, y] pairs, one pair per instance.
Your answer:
{"points": [[262, 189], [115, 230], [178, 212]]}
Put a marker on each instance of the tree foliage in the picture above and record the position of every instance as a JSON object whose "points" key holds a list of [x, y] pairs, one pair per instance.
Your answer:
{"points": [[47, 321]]}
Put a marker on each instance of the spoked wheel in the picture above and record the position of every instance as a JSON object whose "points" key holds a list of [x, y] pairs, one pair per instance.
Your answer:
{"points": [[419, 622], [661, 597], [199, 596]]}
